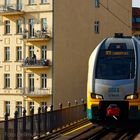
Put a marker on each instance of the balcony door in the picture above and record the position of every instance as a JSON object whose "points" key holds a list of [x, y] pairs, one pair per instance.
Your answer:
{"points": [[7, 2], [19, 4], [31, 82], [31, 27]]}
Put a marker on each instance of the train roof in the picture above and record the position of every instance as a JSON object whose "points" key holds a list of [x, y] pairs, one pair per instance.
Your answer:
{"points": [[124, 42]]}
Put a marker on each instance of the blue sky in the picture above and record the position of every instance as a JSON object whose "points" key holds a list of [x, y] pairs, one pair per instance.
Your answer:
{"points": [[136, 3]]}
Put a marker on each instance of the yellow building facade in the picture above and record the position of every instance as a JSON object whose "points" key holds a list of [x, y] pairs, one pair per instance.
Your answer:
{"points": [[26, 55]]}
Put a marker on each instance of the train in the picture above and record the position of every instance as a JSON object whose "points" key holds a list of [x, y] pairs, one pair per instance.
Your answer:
{"points": [[113, 85]]}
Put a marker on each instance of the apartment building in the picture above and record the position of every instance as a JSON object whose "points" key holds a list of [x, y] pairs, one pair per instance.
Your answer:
{"points": [[136, 22], [26, 55], [45, 46]]}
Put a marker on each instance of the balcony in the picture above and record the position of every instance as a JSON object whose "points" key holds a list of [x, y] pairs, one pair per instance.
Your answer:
{"points": [[38, 36], [36, 92], [30, 63], [11, 10]]}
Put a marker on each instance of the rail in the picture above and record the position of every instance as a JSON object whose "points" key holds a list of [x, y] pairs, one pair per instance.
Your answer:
{"points": [[35, 125]]}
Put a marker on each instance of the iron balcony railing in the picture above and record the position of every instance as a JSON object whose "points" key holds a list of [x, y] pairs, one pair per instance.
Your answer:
{"points": [[32, 91], [31, 62], [36, 35]]}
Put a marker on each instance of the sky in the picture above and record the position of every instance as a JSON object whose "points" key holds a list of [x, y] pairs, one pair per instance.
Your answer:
{"points": [[136, 3]]}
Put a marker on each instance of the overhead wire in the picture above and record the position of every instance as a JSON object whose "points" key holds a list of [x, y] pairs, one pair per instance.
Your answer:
{"points": [[115, 15], [124, 8]]}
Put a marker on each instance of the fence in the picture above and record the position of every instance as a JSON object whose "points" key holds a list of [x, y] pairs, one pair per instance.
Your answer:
{"points": [[35, 125]]}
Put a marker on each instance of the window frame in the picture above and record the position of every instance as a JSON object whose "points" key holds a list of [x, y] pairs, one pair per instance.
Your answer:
{"points": [[18, 53], [44, 24], [7, 26], [19, 26], [6, 80], [7, 107], [43, 81], [19, 80], [19, 108], [7, 53], [44, 1], [44, 52], [31, 2], [96, 27], [97, 3]]}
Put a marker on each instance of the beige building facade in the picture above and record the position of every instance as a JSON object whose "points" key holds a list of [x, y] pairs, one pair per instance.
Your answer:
{"points": [[45, 46], [79, 25]]}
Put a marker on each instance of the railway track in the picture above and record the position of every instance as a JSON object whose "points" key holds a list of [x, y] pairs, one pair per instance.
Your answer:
{"points": [[85, 130]]}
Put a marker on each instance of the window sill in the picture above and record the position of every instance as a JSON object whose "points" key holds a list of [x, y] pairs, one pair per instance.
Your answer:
{"points": [[7, 88], [7, 34], [18, 61], [18, 88], [19, 34], [44, 3], [32, 4], [6, 61]]}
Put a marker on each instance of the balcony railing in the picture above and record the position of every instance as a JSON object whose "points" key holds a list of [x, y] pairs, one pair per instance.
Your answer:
{"points": [[7, 9], [32, 91], [37, 35], [32, 63]]}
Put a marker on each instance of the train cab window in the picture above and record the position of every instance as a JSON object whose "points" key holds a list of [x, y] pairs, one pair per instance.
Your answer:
{"points": [[115, 63]]}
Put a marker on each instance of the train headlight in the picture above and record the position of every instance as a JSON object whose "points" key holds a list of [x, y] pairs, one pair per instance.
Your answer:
{"points": [[96, 96], [131, 96]]}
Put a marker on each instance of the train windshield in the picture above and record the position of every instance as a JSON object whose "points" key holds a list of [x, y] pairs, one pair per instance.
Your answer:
{"points": [[116, 62]]}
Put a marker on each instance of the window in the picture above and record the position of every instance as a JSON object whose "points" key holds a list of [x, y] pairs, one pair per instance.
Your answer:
{"points": [[44, 24], [43, 105], [7, 26], [7, 2], [19, 81], [43, 81], [31, 27], [43, 1], [31, 51], [97, 3], [31, 106], [7, 53], [31, 2], [115, 61], [19, 53], [19, 4], [7, 80], [96, 27], [137, 20], [7, 107], [44, 52], [19, 26], [31, 82], [19, 108]]}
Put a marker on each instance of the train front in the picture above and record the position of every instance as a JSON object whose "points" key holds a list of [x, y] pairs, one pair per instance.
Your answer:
{"points": [[113, 80]]}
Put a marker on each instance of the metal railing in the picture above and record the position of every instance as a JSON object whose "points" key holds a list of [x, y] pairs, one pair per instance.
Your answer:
{"points": [[35, 125], [36, 34], [32, 62], [36, 91]]}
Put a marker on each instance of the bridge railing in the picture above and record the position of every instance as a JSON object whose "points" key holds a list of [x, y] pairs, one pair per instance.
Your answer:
{"points": [[35, 125]]}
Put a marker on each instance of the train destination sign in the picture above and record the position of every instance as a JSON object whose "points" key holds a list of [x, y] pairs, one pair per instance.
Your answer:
{"points": [[116, 53]]}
